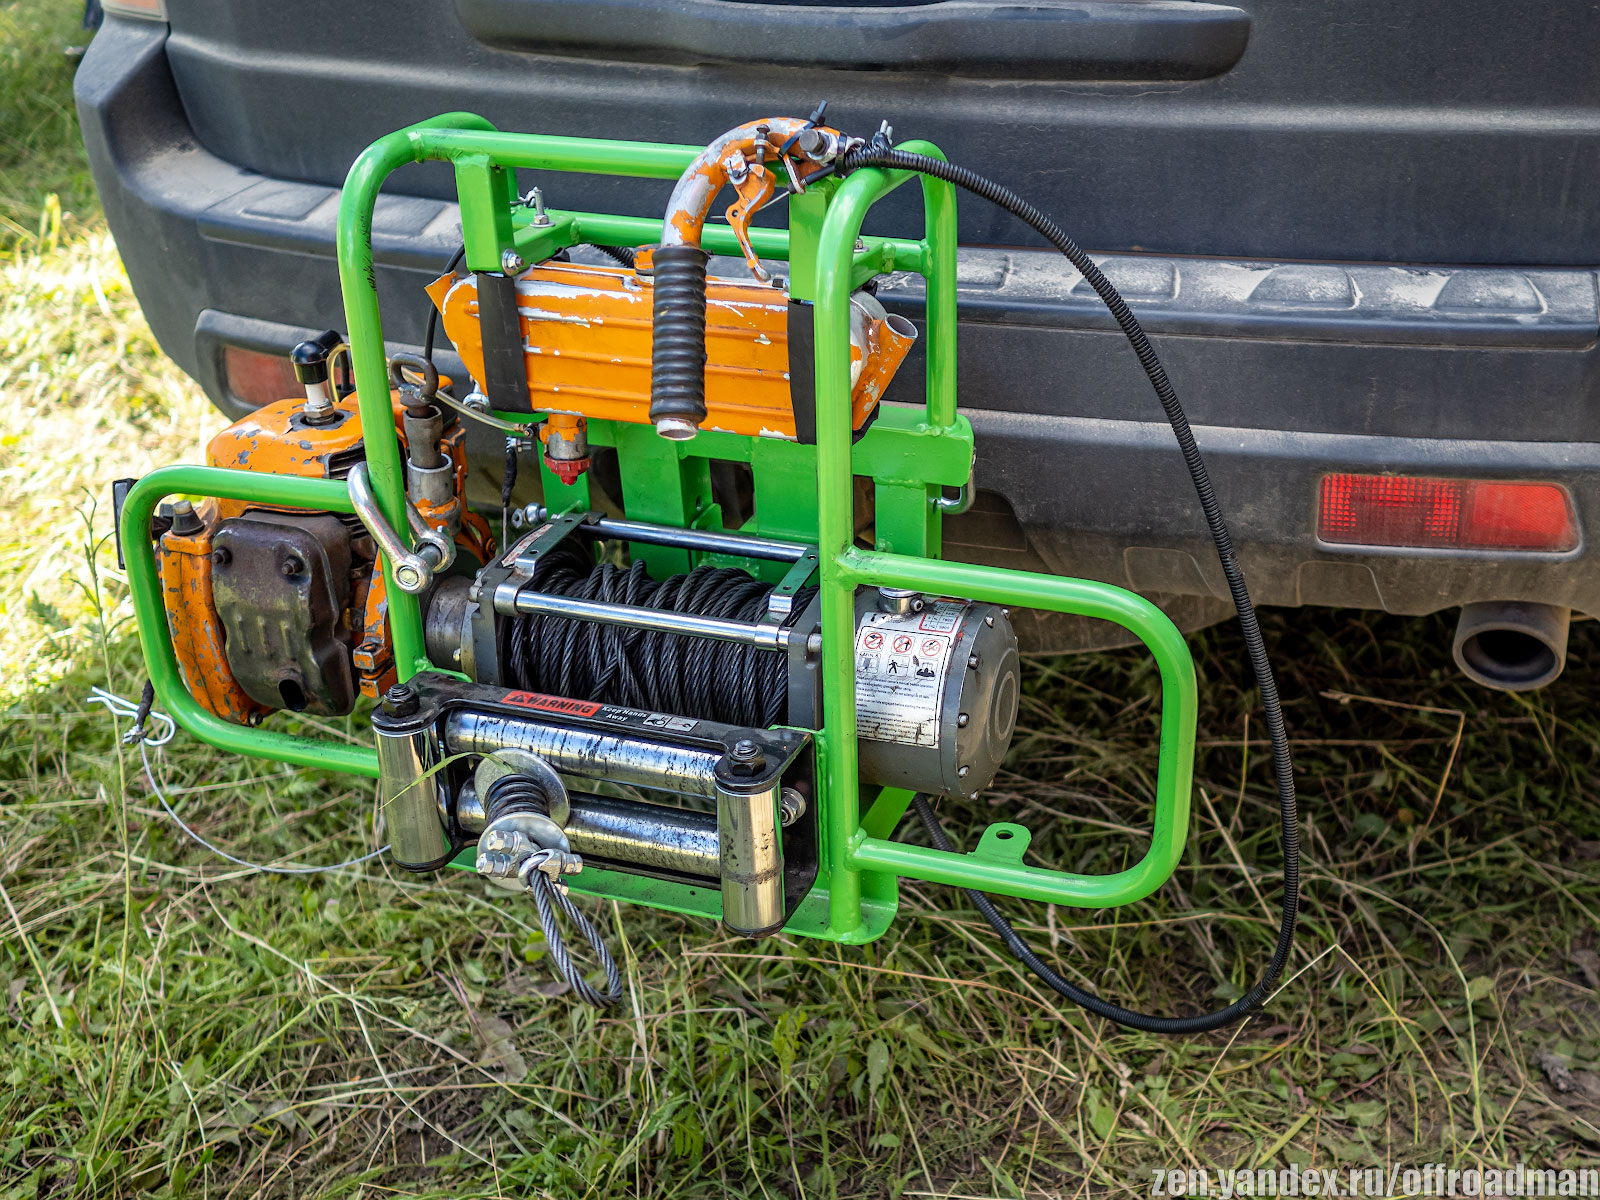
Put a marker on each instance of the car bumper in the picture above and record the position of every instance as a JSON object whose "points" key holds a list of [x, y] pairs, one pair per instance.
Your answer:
{"points": [[1288, 370]]}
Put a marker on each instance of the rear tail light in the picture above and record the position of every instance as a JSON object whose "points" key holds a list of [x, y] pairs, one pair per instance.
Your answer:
{"points": [[155, 10], [258, 378], [1446, 514]]}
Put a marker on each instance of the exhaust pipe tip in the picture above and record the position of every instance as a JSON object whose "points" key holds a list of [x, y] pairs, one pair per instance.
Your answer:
{"points": [[1514, 647]]}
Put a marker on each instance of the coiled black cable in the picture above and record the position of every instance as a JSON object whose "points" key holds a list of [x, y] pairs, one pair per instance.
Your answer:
{"points": [[664, 672], [515, 792], [880, 154]]}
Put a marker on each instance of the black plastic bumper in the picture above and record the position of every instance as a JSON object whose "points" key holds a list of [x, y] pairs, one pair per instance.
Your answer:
{"points": [[1288, 370]]}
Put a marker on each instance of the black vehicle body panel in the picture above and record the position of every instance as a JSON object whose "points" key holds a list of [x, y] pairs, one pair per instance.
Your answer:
{"points": [[1364, 241]]}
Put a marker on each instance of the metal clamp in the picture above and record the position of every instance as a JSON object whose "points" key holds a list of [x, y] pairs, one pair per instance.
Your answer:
{"points": [[412, 391], [442, 545], [413, 570], [954, 506]]}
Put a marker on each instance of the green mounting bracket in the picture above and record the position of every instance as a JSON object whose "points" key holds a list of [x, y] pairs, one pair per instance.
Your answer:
{"points": [[802, 493]]}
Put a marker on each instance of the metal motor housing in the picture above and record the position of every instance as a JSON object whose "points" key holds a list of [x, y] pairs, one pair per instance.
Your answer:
{"points": [[947, 732]]}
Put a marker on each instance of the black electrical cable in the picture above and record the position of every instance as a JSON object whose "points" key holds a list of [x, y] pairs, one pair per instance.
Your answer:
{"points": [[664, 672], [880, 154], [508, 484], [433, 309]]}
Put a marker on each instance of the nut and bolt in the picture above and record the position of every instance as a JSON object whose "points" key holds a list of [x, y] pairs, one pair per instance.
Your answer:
{"points": [[221, 556], [536, 201], [408, 577], [899, 601], [962, 772], [501, 852], [401, 700], [291, 566], [746, 754], [972, 662], [512, 263], [791, 807]]}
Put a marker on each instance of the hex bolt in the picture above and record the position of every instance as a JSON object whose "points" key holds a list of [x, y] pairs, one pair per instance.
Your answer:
{"points": [[972, 662], [291, 567], [401, 700], [962, 720], [222, 556], [746, 753], [511, 263], [962, 772], [536, 198], [791, 807]]}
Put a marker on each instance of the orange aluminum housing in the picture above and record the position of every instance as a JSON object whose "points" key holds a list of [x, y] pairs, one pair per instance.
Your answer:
{"points": [[586, 340]]}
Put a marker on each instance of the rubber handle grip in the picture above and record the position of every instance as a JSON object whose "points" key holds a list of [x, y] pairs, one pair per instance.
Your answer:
{"points": [[678, 346]]}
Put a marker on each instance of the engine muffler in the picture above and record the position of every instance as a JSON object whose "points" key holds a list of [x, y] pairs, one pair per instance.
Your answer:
{"points": [[1512, 646]]}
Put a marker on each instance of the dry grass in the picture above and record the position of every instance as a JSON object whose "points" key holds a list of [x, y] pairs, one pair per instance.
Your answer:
{"points": [[173, 1026], [85, 396]]}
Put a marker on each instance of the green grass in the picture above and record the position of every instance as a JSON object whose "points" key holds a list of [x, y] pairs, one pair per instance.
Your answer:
{"points": [[173, 1026], [40, 154]]}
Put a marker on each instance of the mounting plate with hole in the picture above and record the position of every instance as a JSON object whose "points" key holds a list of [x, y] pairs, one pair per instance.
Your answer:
{"points": [[1004, 842]]}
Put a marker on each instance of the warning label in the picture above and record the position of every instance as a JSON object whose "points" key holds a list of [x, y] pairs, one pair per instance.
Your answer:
{"points": [[557, 704], [901, 664]]}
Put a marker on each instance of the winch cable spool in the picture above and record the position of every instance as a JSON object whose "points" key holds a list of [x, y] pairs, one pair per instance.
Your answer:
{"points": [[519, 792], [665, 672], [879, 154]]}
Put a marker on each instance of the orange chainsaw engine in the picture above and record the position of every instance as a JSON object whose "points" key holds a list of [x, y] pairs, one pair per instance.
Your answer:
{"points": [[274, 608]]}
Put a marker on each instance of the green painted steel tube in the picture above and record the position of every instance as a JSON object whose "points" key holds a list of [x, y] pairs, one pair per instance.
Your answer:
{"points": [[846, 849], [611, 230], [939, 269], [144, 586], [453, 137], [364, 330], [835, 531], [1179, 706]]}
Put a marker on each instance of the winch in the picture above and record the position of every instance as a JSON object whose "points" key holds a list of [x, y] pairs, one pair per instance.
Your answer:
{"points": [[623, 689]]}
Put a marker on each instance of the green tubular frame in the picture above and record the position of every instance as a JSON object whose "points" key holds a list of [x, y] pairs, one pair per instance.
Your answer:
{"points": [[910, 454]]}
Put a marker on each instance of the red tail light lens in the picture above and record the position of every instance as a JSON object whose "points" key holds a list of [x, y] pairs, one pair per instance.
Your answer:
{"points": [[1446, 514], [258, 378]]}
